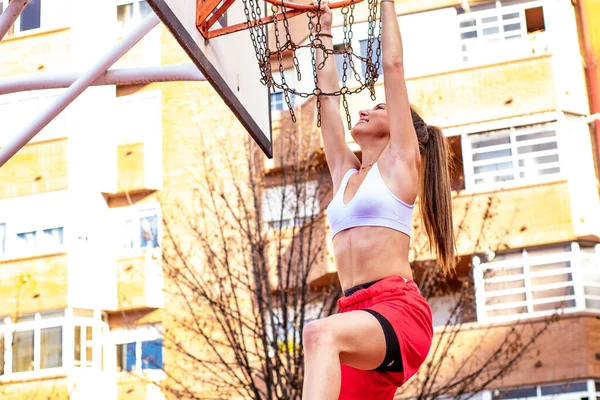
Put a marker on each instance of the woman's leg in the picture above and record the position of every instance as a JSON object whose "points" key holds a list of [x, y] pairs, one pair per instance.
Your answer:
{"points": [[354, 338]]}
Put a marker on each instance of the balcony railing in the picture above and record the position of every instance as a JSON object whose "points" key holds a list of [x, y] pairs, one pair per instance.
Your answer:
{"points": [[539, 282], [140, 281]]}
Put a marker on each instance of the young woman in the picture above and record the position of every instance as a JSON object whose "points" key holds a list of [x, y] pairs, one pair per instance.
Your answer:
{"points": [[384, 330]]}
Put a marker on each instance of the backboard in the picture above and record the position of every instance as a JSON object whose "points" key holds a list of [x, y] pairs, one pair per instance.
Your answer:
{"points": [[228, 62]]}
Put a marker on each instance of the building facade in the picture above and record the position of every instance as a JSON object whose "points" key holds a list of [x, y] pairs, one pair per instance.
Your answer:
{"points": [[513, 84]]}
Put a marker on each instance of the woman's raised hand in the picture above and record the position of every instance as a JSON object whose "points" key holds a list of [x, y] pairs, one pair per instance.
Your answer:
{"points": [[324, 16]]}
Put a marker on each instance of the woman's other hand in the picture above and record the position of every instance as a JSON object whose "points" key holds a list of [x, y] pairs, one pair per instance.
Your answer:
{"points": [[324, 16]]}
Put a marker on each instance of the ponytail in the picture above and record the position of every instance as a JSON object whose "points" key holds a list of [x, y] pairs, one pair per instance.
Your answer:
{"points": [[435, 200]]}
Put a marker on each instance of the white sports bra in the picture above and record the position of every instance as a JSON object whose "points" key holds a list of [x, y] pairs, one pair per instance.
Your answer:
{"points": [[372, 205]]}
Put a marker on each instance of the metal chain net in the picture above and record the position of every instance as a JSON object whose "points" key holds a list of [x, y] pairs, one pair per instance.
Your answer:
{"points": [[284, 43]]}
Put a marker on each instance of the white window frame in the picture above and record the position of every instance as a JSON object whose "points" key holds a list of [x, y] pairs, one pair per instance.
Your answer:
{"points": [[39, 234], [136, 213], [271, 205], [67, 322], [135, 19], [137, 335], [573, 256], [470, 57], [592, 392], [514, 132], [11, 241], [52, 16], [3, 238]]}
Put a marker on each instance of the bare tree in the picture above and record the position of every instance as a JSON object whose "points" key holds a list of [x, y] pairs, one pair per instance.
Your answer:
{"points": [[246, 264]]}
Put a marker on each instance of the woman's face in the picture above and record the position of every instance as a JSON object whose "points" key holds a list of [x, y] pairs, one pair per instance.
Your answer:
{"points": [[372, 123]]}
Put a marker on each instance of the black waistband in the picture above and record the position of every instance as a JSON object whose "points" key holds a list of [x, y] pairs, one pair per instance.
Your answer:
{"points": [[356, 288]]}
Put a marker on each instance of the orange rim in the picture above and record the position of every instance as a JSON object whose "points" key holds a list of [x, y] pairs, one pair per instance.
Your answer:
{"points": [[306, 7]]}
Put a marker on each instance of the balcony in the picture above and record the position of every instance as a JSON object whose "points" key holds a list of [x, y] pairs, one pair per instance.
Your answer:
{"points": [[37, 168], [138, 143], [137, 169], [475, 343], [34, 284], [140, 280], [537, 282]]}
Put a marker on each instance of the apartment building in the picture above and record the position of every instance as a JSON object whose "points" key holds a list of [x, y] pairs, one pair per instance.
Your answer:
{"points": [[513, 84], [81, 206]]}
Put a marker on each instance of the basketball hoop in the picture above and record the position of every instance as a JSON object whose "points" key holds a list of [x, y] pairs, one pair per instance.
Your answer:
{"points": [[209, 11]]}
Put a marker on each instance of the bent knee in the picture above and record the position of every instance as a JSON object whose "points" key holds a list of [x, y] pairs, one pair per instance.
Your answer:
{"points": [[317, 334]]}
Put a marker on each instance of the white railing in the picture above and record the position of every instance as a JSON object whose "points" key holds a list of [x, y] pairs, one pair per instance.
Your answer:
{"points": [[494, 34], [538, 283], [556, 391], [520, 154]]}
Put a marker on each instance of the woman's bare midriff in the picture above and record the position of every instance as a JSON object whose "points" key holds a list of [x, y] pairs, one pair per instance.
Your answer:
{"points": [[365, 254]]}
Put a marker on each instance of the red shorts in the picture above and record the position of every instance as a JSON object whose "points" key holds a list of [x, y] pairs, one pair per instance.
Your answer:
{"points": [[401, 304]]}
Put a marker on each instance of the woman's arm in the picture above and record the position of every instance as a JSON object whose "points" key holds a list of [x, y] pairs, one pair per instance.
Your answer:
{"points": [[338, 154], [403, 139]]}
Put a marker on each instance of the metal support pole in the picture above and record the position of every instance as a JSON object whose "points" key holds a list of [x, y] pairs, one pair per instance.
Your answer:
{"points": [[77, 88], [10, 15], [124, 76]]}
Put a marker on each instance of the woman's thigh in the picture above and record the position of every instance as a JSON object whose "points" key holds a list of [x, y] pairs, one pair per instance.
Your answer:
{"points": [[359, 338]]}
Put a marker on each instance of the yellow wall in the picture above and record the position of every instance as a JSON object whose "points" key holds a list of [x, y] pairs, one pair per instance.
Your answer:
{"points": [[29, 54], [45, 389], [37, 168], [33, 284]]}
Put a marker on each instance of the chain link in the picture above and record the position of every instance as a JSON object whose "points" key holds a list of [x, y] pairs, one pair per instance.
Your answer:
{"points": [[265, 55]]}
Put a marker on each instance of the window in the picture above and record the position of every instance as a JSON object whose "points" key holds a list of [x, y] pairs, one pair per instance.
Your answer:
{"points": [[2, 238], [51, 347], [286, 206], [590, 264], [38, 14], [83, 345], [31, 16], [126, 357], [42, 240], [1, 348], [363, 53], [278, 102], [537, 282], [152, 354], [501, 31], [516, 154], [22, 351], [36, 342], [562, 391], [130, 12], [139, 349], [140, 229]]}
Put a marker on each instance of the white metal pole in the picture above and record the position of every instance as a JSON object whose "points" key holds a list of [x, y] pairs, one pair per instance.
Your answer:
{"points": [[77, 88], [10, 15], [124, 76]]}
